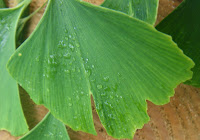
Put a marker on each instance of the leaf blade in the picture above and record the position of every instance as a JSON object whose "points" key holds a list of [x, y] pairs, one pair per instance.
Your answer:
{"points": [[145, 10], [48, 129], [10, 106], [103, 57]]}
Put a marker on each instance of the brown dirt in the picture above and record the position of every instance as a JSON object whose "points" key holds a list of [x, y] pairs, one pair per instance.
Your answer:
{"points": [[177, 120]]}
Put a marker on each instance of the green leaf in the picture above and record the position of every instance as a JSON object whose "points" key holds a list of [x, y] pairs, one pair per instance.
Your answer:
{"points": [[183, 24], [145, 10], [48, 129], [79, 50], [12, 117], [2, 4]]}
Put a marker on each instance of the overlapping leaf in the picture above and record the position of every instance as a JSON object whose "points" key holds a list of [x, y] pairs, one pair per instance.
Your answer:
{"points": [[145, 10], [2, 4], [184, 26], [12, 118], [48, 129], [78, 50]]}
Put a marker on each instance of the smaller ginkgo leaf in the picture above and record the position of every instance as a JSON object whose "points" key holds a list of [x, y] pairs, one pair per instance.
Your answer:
{"points": [[48, 129], [183, 24], [145, 10], [11, 114], [79, 49], [2, 4]]}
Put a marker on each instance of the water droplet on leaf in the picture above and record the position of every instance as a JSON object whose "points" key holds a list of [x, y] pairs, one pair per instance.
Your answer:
{"points": [[99, 86], [106, 78], [67, 55]]}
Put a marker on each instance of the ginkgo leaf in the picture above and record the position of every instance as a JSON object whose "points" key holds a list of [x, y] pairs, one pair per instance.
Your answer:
{"points": [[48, 129], [79, 49], [145, 10], [12, 117], [2, 4], [184, 26]]}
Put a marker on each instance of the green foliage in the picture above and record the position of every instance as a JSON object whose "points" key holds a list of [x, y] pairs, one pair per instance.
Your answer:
{"points": [[48, 129], [90, 50], [12, 118], [183, 24], [145, 10], [2, 4]]}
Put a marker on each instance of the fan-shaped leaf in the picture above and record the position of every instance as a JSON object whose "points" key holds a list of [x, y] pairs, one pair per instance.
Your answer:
{"points": [[145, 10], [184, 26], [78, 50], [12, 118], [48, 129]]}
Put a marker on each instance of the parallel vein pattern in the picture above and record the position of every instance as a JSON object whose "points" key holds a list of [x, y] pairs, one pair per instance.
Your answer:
{"points": [[145, 10], [48, 129], [184, 26], [88, 50]]}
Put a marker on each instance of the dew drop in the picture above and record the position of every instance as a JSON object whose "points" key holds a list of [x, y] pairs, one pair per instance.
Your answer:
{"points": [[51, 56], [106, 102], [86, 60], [99, 86], [106, 79], [115, 87], [37, 59], [70, 63], [67, 71], [74, 59], [110, 106], [82, 93], [111, 97], [7, 28], [67, 55], [66, 38], [110, 116], [61, 44], [119, 74], [89, 72], [77, 45], [73, 70], [71, 47], [107, 88], [70, 104], [77, 97]]}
